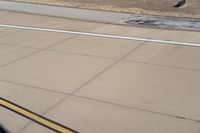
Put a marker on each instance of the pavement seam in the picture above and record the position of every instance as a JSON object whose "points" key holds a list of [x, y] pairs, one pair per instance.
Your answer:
{"points": [[33, 87], [82, 54], [43, 113], [5, 35], [139, 109], [162, 65], [37, 51], [13, 45], [107, 68], [26, 125]]}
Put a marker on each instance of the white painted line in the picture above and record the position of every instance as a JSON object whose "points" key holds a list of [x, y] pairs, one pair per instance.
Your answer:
{"points": [[99, 35]]}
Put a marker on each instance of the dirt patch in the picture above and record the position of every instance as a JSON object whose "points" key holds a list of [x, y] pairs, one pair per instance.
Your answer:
{"points": [[149, 7]]}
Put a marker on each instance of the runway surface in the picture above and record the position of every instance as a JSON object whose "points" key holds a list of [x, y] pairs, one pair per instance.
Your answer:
{"points": [[96, 77]]}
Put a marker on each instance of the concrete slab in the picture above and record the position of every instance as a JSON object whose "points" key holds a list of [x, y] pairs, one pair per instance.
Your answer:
{"points": [[12, 53], [34, 39], [36, 128], [88, 116], [181, 36], [151, 87], [33, 128], [31, 98], [54, 71], [178, 56], [6, 31], [96, 46], [11, 121]]}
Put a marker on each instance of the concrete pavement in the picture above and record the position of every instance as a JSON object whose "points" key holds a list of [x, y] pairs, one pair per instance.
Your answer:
{"points": [[96, 84]]}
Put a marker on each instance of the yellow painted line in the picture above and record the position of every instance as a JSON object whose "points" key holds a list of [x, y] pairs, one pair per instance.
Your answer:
{"points": [[35, 117]]}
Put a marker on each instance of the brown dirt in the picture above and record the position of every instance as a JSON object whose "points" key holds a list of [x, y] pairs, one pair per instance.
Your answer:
{"points": [[151, 7]]}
